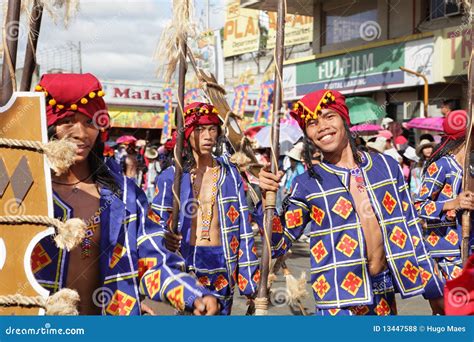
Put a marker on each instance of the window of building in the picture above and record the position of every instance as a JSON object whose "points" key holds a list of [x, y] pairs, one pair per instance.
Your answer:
{"points": [[344, 23], [444, 8]]}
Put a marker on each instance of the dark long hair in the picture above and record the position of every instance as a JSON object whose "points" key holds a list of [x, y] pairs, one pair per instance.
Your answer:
{"points": [[446, 146], [188, 157], [101, 174], [310, 148]]}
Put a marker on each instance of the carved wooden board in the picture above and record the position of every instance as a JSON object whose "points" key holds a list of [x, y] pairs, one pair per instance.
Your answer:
{"points": [[25, 189]]}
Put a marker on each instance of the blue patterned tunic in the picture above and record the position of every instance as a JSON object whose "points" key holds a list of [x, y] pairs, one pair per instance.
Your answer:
{"points": [[219, 268], [133, 260], [442, 182], [339, 272]]}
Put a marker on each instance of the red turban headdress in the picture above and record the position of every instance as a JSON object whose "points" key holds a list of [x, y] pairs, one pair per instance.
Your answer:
{"points": [[68, 94], [196, 114], [311, 105]]}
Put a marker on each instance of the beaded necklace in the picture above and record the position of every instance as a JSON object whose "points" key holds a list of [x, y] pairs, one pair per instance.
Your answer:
{"points": [[86, 243], [206, 216], [356, 172]]}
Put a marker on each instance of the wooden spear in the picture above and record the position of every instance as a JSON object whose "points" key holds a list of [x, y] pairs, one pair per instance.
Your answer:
{"points": [[468, 181], [178, 149], [10, 42], [30, 54], [261, 302]]}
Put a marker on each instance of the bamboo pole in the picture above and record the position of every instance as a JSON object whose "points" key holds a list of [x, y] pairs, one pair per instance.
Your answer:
{"points": [[30, 54], [261, 302], [10, 42]]}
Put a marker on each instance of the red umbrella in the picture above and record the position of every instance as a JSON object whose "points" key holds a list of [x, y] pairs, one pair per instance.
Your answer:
{"points": [[429, 124], [254, 128], [126, 139]]}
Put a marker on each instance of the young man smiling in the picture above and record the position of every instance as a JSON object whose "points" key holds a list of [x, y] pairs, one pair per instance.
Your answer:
{"points": [[214, 228], [365, 240], [122, 256]]}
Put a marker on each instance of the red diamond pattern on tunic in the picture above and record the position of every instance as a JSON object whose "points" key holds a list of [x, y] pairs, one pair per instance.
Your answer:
{"points": [[360, 310], [39, 258], [430, 208], [242, 282], [432, 239], [232, 214], [241, 252], [351, 283], [317, 215], [398, 237], [432, 169], [425, 275], [405, 205], [321, 286], [319, 251], [153, 283], [234, 244], [277, 227], [415, 240], [333, 312], [447, 190], [424, 190], [144, 264], [204, 281], [456, 272], [294, 218], [118, 252], [343, 207], [254, 250], [220, 282], [176, 297], [410, 271], [389, 202], [121, 304], [256, 277], [347, 245], [452, 237], [382, 309]]}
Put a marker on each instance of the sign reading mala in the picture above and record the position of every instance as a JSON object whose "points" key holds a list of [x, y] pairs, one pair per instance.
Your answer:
{"points": [[26, 207]]}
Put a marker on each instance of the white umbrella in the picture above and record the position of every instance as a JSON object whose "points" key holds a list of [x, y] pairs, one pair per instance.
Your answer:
{"points": [[289, 135]]}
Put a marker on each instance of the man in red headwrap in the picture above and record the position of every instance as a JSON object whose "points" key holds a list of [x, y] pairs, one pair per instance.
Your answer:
{"points": [[365, 240], [215, 236], [441, 200], [122, 255]]}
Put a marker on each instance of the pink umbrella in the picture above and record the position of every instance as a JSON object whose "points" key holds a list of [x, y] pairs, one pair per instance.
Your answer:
{"points": [[126, 139], [429, 124], [366, 128]]}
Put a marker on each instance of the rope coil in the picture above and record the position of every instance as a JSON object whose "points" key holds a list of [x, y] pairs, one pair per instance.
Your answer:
{"points": [[62, 303], [68, 234], [60, 153]]}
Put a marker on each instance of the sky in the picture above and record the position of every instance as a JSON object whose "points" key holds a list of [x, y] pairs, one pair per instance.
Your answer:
{"points": [[118, 38]]}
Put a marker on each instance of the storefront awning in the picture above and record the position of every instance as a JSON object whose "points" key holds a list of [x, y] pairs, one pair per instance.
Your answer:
{"points": [[148, 119]]}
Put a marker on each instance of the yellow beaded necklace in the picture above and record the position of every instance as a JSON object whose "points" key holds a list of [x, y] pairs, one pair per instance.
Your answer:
{"points": [[206, 216]]}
